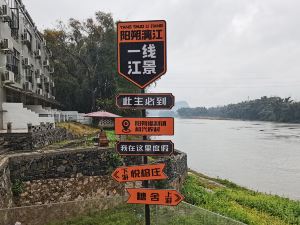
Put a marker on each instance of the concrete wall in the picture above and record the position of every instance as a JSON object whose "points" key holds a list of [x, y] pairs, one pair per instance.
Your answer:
{"points": [[20, 116], [16, 114], [84, 120]]}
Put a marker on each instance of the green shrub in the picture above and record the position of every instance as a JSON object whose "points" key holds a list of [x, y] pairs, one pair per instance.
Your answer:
{"points": [[17, 188]]}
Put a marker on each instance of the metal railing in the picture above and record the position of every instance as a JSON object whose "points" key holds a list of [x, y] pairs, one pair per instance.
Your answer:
{"points": [[57, 214], [187, 214]]}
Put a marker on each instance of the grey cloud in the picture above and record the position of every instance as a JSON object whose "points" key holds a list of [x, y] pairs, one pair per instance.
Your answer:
{"points": [[219, 51]]}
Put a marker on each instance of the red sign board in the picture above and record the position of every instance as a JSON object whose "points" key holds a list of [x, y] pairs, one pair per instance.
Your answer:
{"points": [[154, 197], [144, 126], [142, 51], [140, 173]]}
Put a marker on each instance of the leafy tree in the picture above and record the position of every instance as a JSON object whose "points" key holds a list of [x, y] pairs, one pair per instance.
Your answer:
{"points": [[84, 58]]}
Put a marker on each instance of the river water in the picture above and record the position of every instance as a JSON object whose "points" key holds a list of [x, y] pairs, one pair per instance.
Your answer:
{"points": [[262, 156]]}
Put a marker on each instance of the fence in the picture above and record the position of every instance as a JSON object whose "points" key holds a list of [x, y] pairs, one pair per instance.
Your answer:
{"points": [[104, 209], [186, 214]]}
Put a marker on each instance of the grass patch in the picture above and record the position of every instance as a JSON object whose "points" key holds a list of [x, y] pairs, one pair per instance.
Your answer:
{"points": [[118, 216], [78, 129], [239, 203], [134, 215], [84, 136]]}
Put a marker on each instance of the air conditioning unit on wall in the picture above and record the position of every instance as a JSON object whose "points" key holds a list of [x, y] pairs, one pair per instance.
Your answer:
{"points": [[9, 77], [38, 80], [28, 86]]}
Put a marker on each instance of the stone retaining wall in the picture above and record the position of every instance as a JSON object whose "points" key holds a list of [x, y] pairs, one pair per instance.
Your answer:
{"points": [[34, 140], [66, 163], [176, 169], [50, 136], [72, 174], [66, 175], [5, 184], [39, 192]]}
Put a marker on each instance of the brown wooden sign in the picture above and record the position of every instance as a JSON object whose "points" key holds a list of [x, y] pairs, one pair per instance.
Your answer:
{"points": [[154, 197], [145, 101], [140, 173], [142, 51], [144, 126], [145, 148]]}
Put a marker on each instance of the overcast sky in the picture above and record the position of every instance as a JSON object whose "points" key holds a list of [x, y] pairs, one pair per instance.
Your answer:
{"points": [[219, 51]]}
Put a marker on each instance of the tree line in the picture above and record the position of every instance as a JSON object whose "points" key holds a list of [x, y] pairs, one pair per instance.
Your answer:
{"points": [[85, 61], [264, 109]]}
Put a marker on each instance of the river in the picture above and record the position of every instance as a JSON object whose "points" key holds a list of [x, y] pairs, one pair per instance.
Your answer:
{"points": [[261, 156]]}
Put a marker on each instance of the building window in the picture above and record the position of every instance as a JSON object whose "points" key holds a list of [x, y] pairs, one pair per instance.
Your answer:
{"points": [[29, 74], [27, 38], [13, 64], [15, 22], [38, 45]]}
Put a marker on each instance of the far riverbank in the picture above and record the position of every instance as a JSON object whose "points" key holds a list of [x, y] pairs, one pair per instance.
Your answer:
{"points": [[233, 119]]}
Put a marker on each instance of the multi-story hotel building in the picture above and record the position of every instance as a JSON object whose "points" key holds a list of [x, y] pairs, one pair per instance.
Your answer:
{"points": [[26, 84]]}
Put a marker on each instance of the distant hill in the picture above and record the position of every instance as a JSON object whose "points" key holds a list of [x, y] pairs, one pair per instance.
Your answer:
{"points": [[168, 113], [180, 104], [263, 109]]}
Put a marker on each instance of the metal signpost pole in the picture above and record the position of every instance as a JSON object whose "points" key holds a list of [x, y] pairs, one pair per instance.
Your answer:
{"points": [[145, 161], [142, 59]]}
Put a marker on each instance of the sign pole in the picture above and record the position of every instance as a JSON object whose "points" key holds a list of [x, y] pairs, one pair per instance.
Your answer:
{"points": [[145, 161]]}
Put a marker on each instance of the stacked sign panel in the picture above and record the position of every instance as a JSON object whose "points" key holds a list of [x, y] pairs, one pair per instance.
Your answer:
{"points": [[142, 59]]}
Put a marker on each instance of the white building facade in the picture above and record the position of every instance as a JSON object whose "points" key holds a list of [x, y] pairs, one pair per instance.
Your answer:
{"points": [[26, 84], [26, 74]]}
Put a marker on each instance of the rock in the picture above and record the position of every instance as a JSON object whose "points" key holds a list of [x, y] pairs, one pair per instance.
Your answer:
{"points": [[61, 169]]}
